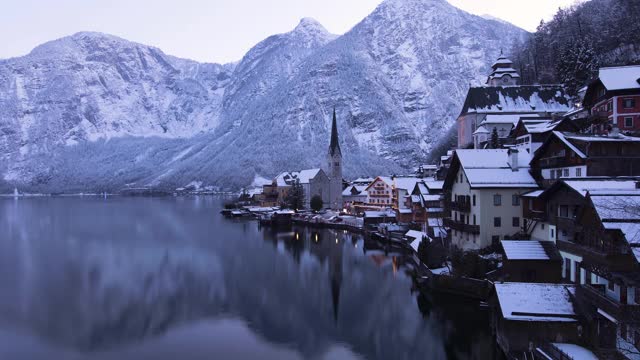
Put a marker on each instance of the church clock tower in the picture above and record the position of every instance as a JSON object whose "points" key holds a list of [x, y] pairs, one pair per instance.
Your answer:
{"points": [[334, 168]]}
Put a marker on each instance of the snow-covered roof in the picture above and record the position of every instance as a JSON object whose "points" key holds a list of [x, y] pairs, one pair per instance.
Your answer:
{"points": [[406, 183], [575, 351], [631, 230], [431, 197], [533, 194], [415, 234], [378, 214], [434, 185], [481, 130], [516, 99], [536, 302], [415, 198], [490, 168], [603, 186], [617, 207], [620, 77], [505, 118], [306, 175], [288, 178], [528, 250], [354, 190]]}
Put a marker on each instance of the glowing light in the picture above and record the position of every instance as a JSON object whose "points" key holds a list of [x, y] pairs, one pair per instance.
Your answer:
{"points": [[297, 236], [316, 237], [336, 240]]}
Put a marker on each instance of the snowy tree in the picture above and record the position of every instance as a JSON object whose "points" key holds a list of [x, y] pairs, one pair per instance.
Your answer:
{"points": [[295, 196], [576, 65], [495, 139], [316, 203]]}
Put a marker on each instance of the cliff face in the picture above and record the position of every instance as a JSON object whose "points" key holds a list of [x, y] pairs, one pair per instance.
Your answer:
{"points": [[93, 111]]}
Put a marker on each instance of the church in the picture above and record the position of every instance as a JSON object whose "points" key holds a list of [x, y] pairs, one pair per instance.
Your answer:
{"points": [[325, 182], [502, 101]]}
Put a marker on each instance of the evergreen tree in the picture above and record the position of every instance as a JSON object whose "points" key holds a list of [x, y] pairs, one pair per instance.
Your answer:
{"points": [[495, 139], [295, 196], [316, 203], [576, 65]]}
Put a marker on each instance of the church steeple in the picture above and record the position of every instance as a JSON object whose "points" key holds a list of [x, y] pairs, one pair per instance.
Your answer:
{"points": [[334, 146], [334, 167]]}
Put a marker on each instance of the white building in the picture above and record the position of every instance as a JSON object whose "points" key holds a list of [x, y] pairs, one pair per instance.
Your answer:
{"points": [[483, 189]]}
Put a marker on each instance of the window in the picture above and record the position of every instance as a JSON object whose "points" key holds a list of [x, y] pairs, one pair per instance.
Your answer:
{"points": [[559, 173], [474, 200], [628, 103], [461, 178], [495, 240], [515, 200], [497, 222], [565, 172], [474, 220], [553, 234], [497, 200], [563, 211], [542, 226], [515, 222], [628, 122], [567, 268], [577, 272], [609, 106], [578, 172], [610, 285]]}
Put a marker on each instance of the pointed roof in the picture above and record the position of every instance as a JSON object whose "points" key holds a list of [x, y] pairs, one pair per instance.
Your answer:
{"points": [[334, 146]]}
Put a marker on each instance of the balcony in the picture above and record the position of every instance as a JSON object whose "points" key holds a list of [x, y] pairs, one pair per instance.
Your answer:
{"points": [[462, 206], [595, 295], [457, 225], [599, 116], [536, 215]]}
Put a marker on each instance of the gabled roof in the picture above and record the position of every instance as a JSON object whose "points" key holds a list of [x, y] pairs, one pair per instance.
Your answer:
{"points": [[530, 250], [406, 183], [354, 190], [620, 77], [385, 179], [288, 178], [490, 168], [536, 302], [516, 99], [572, 140], [504, 118]]}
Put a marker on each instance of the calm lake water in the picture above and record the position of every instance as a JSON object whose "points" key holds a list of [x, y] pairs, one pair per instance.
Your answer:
{"points": [[170, 278]]}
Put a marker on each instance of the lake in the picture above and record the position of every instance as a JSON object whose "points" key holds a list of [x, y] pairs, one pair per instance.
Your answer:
{"points": [[170, 278]]}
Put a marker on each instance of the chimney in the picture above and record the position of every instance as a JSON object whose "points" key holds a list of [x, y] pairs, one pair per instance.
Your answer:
{"points": [[513, 159]]}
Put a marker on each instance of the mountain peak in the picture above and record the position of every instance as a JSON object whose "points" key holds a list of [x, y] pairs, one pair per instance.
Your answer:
{"points": [[310, 25]]}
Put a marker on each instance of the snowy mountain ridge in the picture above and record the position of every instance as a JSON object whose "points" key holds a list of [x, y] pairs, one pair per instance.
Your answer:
{"points": [[93, 111]]}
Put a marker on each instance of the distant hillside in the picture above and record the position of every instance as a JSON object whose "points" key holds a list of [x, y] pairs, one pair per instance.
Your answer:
{"points": [[579, 39]]}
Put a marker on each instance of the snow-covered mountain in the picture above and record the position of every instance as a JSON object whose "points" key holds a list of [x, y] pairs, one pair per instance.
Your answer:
{"points": [[92, 111]]}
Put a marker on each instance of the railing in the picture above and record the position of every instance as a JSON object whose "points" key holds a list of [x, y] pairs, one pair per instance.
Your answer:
{"points": [[596, 295], [456, 225], [463, 206], [537, 215], [600, 116]]}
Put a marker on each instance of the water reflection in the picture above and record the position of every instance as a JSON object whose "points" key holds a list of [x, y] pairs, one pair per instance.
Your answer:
{"points": [[131, 278]]}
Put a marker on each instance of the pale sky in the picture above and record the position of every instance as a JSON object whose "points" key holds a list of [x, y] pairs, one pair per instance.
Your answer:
{"points": [[211, 30]]}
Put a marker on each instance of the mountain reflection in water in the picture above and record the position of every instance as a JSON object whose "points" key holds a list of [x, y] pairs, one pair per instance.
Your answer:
{"points": [[165, 278]]}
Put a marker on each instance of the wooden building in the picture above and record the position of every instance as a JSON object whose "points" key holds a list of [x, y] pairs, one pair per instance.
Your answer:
{"points": [[569, 155], [531, 261], [613, 100], [526, 315]]}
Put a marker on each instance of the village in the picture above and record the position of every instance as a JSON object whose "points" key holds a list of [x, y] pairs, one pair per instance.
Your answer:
{"points": [[536, 212]]}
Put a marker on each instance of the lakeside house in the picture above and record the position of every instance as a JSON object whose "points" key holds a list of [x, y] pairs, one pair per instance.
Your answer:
{"points": [[482, 192]]}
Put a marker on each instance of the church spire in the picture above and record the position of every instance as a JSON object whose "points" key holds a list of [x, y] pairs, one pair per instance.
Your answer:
{"points": [[334, 147]]}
